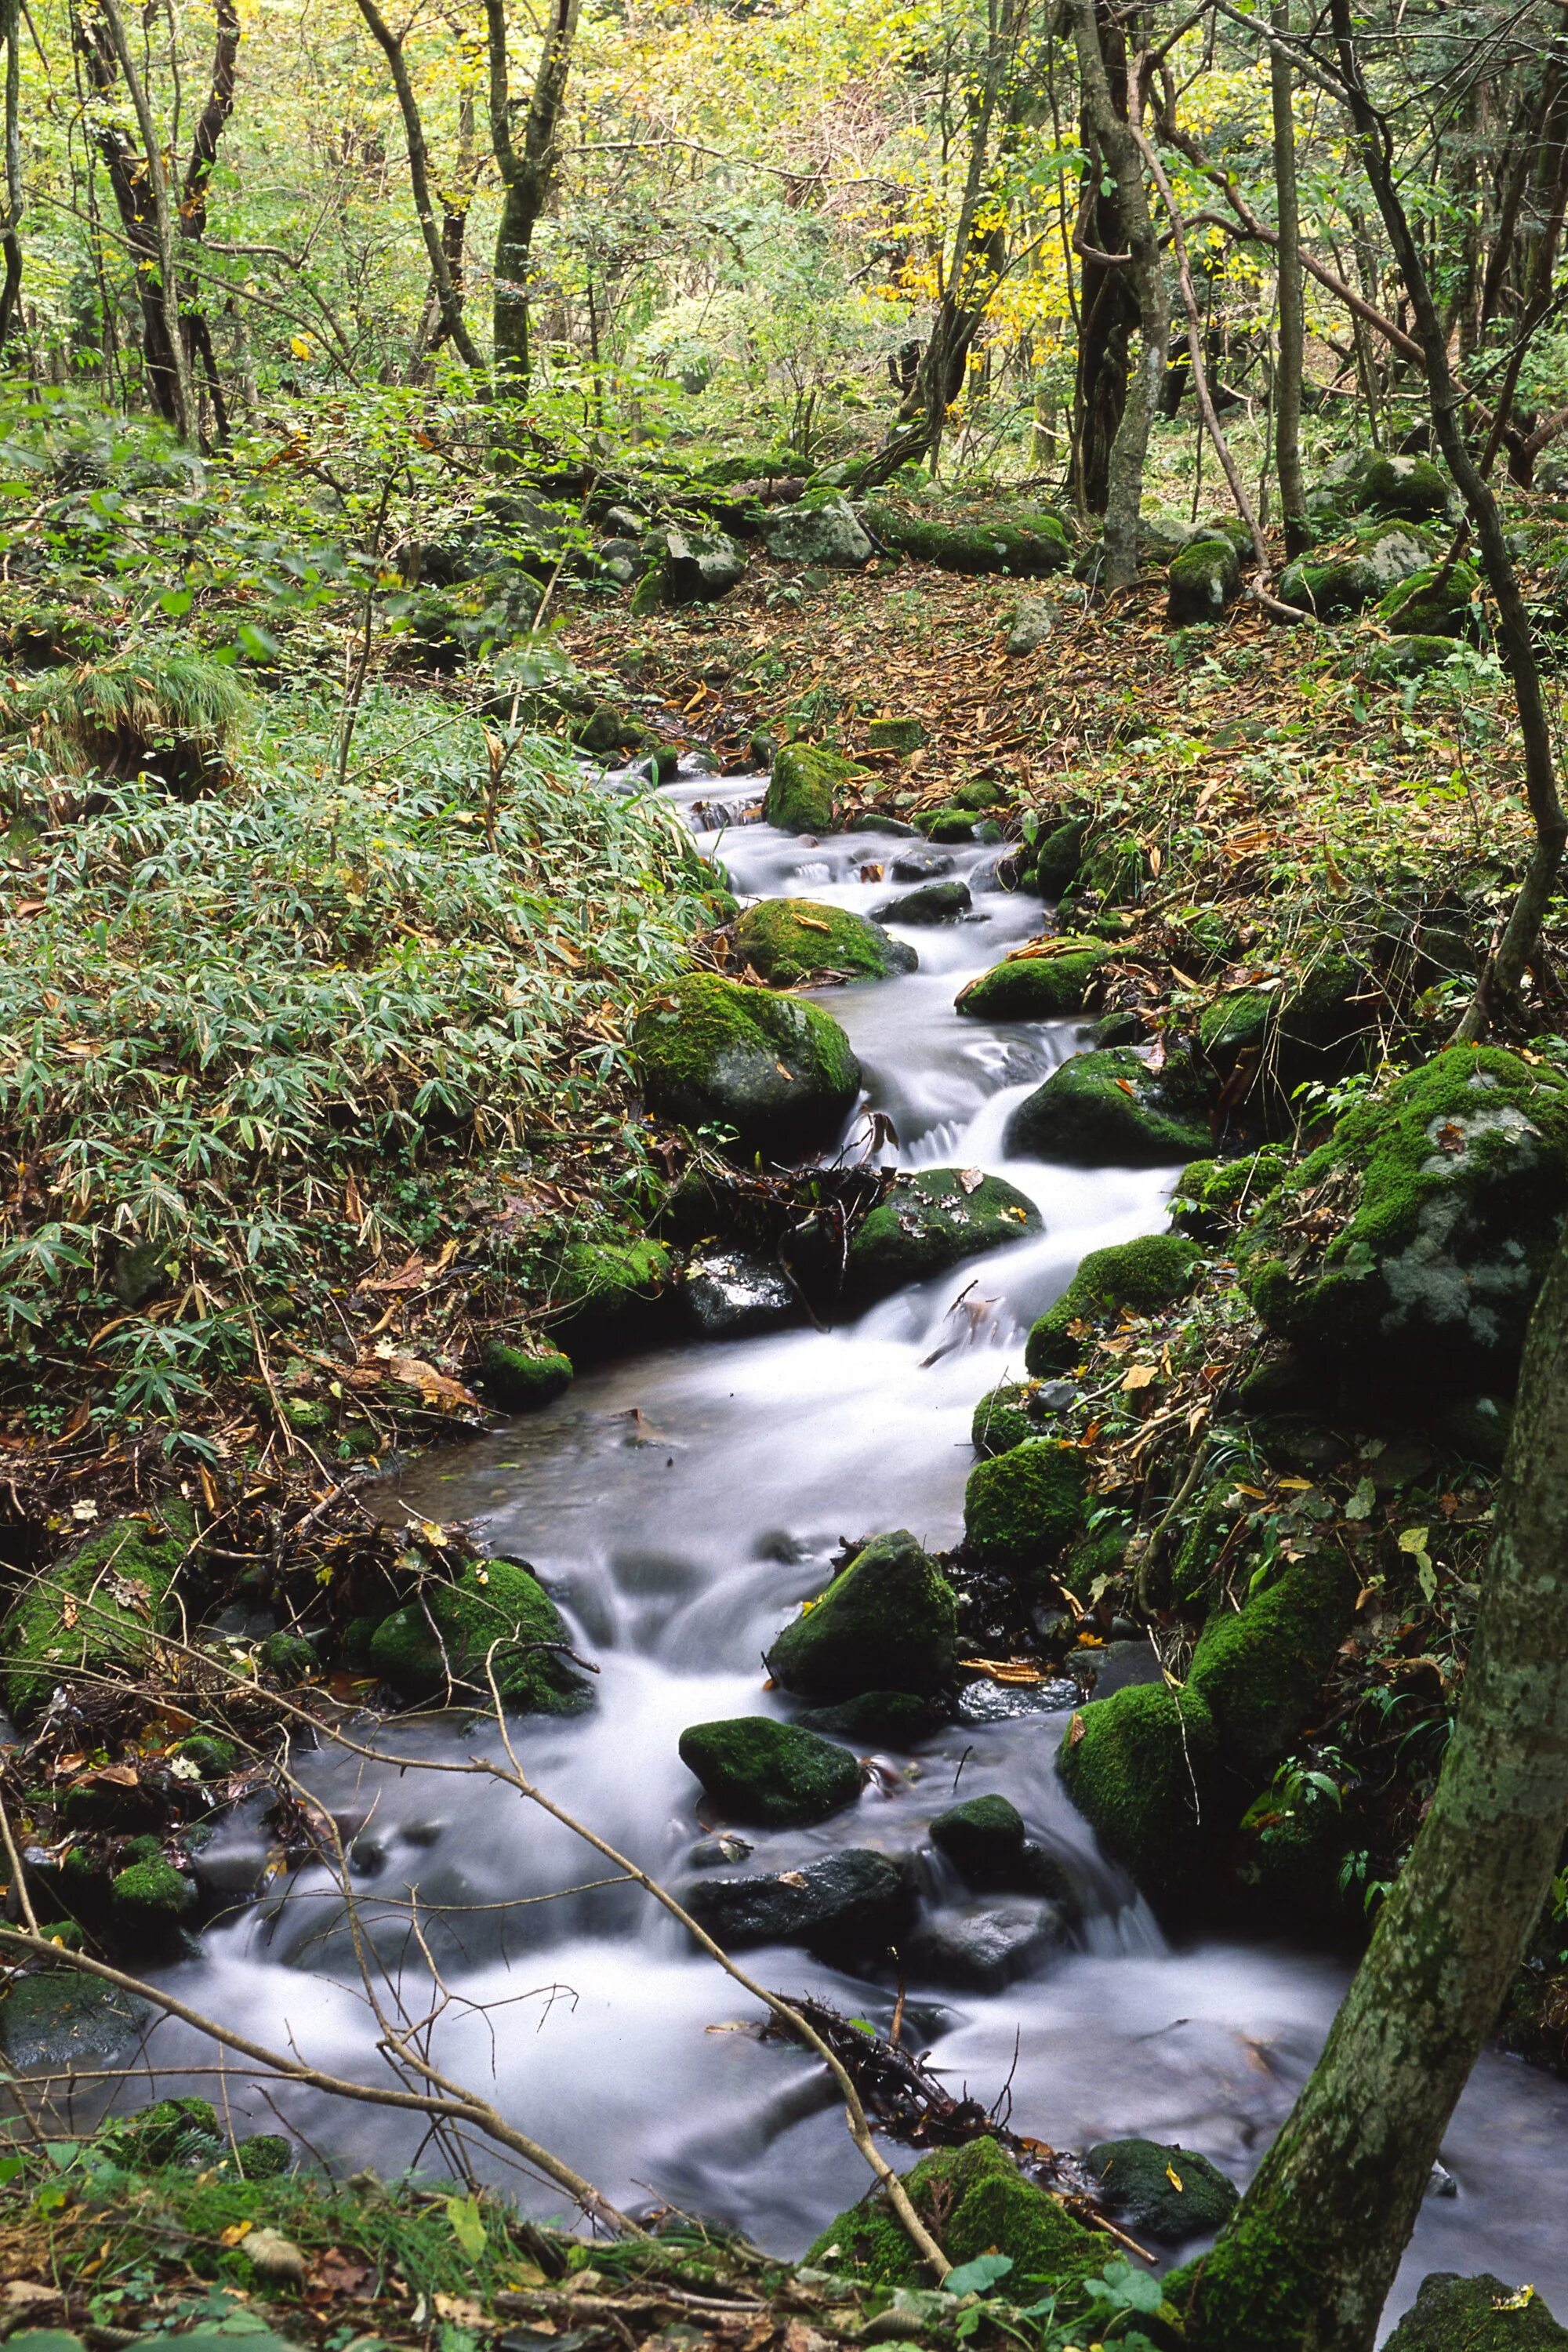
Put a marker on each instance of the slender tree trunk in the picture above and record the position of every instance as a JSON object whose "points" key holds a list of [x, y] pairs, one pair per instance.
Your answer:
{"points": [[526, 174], [1124, 488], [448, 296], [1308, 2257], [11, 241], [1292, 318], [1109, 314], [182, 393]]}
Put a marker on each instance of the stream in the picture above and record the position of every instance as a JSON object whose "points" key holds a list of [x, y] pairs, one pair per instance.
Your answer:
{"points": [[680, 1505]]}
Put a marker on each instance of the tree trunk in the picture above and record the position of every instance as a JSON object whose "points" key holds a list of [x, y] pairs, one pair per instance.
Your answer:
{"points": [[174, 356], [1110, 314], [11, 241], [448, 298], [1307, 2259], [1292, 318], [1124, 487], [527, 174]]}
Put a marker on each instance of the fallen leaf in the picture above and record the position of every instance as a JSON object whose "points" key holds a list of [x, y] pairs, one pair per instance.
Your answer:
{"points": [[972, 1179], [1138, 1376], [275, 2256]]}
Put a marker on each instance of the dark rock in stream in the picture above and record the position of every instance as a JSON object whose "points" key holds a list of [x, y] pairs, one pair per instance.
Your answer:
{"points": [[1166, 2193], [731, 1292], [776, 1774], [855, 1902], [890, 1619], [984, 1948], [919, 865], [882, 1719], [932, 1221], [934, 902], [987, 1843], [1475, 2315]]}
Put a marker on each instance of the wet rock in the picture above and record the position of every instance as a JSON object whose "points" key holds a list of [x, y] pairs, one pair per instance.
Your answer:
{"points": [[1031, 626], [1475, 2315], [985, 1946], [919, 865], [523, 1379], [729, 1292], [777, 1070], [1059, 858], [878, 1718], [852, 1903], [987, 1843], [54, 2020], [1205, 578], [701, 565], [611, 1293], [1139, 1276], [1406, 1252], [774, 1776], [1045, 982], [981, 2204], [818, 530], [932, 1220], [1143, 1767], [496, 1611], [721, 1853], [895, 827], [288, 1658], [786, 940], [887, 1622], [806, 788], [933, 902], [1166, 2193], [1019, 1409], [1023, 1508], [147, 1902], [1108, 1107], [96, 1612]]}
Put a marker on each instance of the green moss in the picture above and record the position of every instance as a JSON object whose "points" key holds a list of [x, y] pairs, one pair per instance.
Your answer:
{"points": [[1108, 1108], [169, 2132], [148, 1901], [894, 1718], [212, 1758], [1420, 607], [288, 1657], [1059, 858], [806, 788], [451, 1629], [1137, 1276], [774, 1774], [901, 735], [609, 1293], [1092, 1561], [1256, 2290], [1040, 984], [96, 1612], [309, 1415], [1211, 1195], [1411, 1244], [1115, 868], [1475, 2315], [1141, 1766], [983, 1838], [1198, 1554], [1028, 552], [1411, 486], [1260, 1674], [265, 2156], [1168, 2193], [786, 940], [776, 1068], [947, 826], [524, 1379], [1006, 1417], [1021, 1508], [932, 1220], [887, 1622], [1406, 657], [976, 2198], [1205, 578]]}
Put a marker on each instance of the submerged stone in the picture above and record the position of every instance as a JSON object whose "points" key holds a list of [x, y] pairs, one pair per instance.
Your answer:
{"points": [[933, 902]]}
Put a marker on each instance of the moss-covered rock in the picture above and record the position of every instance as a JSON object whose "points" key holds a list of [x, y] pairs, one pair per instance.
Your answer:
{"points": [[1108, 1107], [1412, 487], [610, 1293], [932, 1220], [887, 1622], [1014, 1412], [878, 1717], [1260, 1672], [1167, 2193], [1205, 578], [1059, 858], [445, 1636], [775, 1775], [523, 1379], [1431, 604], [1386, 554], [213, 1757], [1137, 1276], [55, 2019], [1141, 1766], [98, 1612], [820, 528], [987, 1843], [901, 735], [1409, 1247], [1475, 2315], [1317, 1026], [699, 565], [1023, 1508], [980, 2204], [1400, 658], [148, 1902], [786, 940], [288, 1658], [1027, 550], [806, 788], [1043, 983], [1212, 1196], [777, 1070]]}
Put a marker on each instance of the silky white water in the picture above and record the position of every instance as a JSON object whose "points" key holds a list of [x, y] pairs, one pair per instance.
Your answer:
{"points": [[680, 1505]]}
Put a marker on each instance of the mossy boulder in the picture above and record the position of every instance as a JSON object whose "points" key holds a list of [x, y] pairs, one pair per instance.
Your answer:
{"points": [[1407, 1250], [442, 1641], [1475, 2315], [98, 1612], [778, 1070], [806, 788], [930, 1222], [1141, 1766], [1212, 1196], [1043, 983], [1429, 604], [980, 2204], [818, 529], [1059, 858], [1137, 1276], [1386, 554], [610, 1293], [1108, 1107], [900, 735], [1166, 2193], [786, 940], [1205, 578], [1022, 1508], [888, 1622], [1402, 657], [1316, 1026], [1260, 1672], [699, 565], [987, 1843], [1412, 487], [771, 1774], [1027, 550], [523, 1379], [288, 1658], [147, 1902], [1014, 1412]]}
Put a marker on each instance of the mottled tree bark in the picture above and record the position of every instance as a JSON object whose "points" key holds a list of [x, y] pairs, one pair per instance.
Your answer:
{"points": [[10, 240], [1292, 318], [449, 297], [527, 173]]}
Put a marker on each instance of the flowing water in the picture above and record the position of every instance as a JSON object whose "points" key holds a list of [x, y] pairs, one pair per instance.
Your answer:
{"points": [[680, 1506]]}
